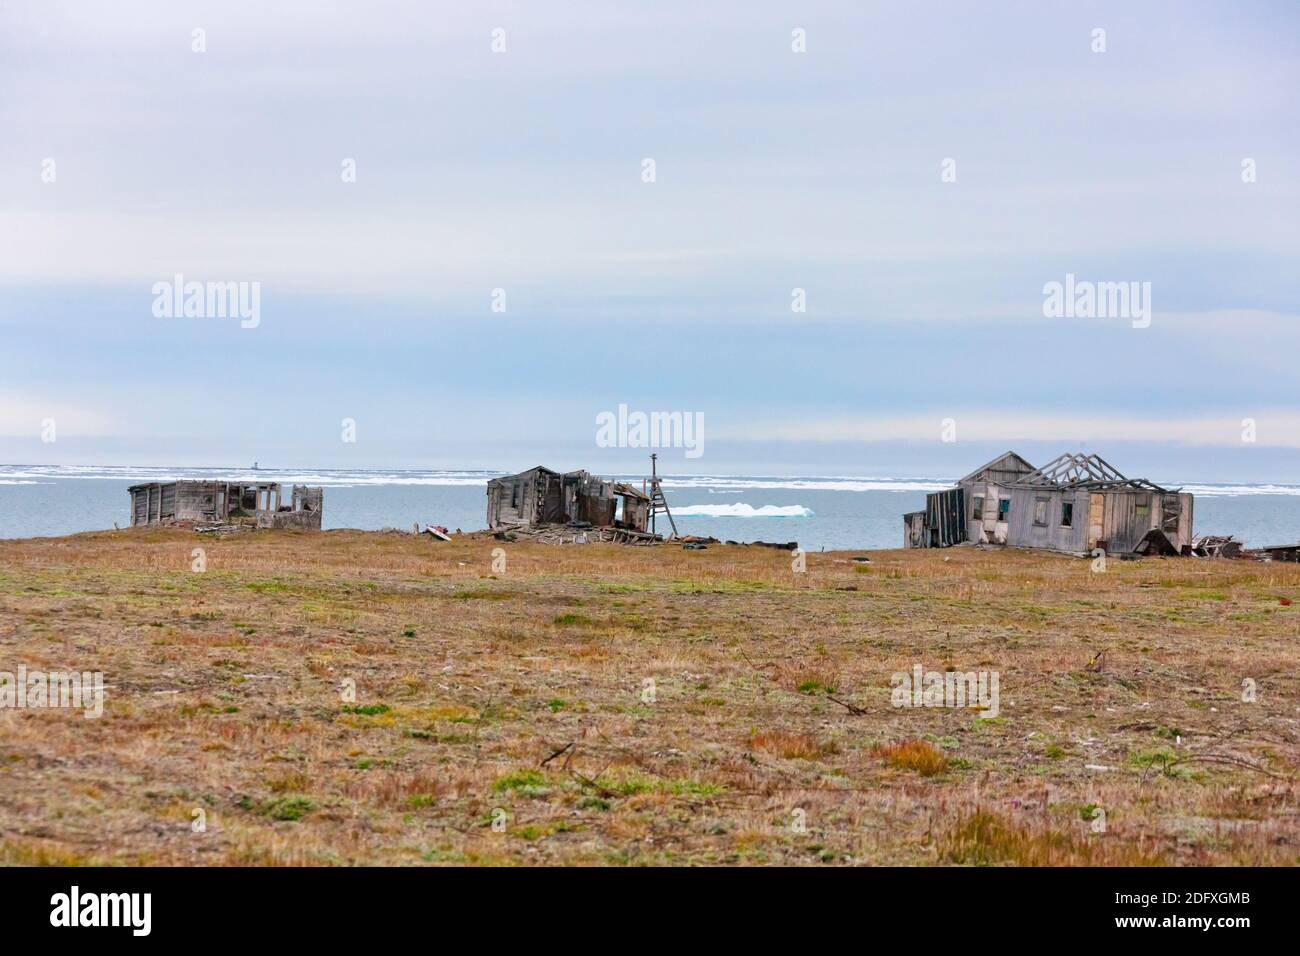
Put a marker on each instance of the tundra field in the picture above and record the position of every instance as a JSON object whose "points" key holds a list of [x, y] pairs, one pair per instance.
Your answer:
{"points": [[616, 705]]}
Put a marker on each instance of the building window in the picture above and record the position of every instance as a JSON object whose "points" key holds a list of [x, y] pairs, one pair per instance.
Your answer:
{"points": [[1143, 506], [979, 508], [1040, 511], [514, 495], [1067, 514], [1004, 509], [1171, 514]]}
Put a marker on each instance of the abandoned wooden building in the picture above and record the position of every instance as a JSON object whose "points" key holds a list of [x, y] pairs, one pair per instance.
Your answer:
{"points": [[258, 504], [1279, 552], [539, 497], [1076, 504]]}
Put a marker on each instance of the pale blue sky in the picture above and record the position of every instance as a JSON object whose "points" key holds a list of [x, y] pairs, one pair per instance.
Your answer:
{"points": [[775, 170]]}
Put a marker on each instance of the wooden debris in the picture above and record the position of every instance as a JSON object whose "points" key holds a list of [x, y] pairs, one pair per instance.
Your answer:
{"points": [[1155, 542], [570, 534], [1216, 546]]}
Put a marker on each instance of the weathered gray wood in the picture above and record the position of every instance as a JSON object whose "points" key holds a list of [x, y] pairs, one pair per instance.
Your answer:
{"points": [[1008, 501], [540, 496], [217, 502]]}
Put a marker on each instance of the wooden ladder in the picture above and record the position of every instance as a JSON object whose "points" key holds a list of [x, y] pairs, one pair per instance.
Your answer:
{"points": [[658, 503]]}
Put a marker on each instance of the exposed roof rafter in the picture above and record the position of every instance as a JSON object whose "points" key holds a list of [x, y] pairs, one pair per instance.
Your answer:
{"points": [[1084, 471]]}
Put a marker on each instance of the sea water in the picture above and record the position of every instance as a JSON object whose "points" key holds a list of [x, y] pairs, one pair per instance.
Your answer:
{"points": [[844, 512]]}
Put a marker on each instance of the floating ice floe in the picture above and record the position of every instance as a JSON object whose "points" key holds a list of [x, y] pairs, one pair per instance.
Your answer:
{"points": [[741, 510]]}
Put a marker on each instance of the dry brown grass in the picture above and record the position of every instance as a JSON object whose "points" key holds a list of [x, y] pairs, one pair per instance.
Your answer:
{"points": [[640, 705], [986, 839], [785, 744], [919, 755]]}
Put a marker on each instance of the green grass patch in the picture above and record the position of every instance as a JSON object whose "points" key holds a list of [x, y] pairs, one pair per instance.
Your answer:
{"points": [[630, 783], [1159, 758], [720, 586], [267, 587], [813, 686], [531, 783], [573, 620], [291, 806], [368, 710]]}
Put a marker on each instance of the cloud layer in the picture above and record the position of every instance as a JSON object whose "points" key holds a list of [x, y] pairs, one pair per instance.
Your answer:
{"points": [[820, 171]]}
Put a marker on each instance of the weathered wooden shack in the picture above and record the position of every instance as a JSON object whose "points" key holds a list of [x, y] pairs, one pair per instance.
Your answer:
{"points": [[947, 517], [259, 504], [1279, 552], [1076, 503], [540, 496]]}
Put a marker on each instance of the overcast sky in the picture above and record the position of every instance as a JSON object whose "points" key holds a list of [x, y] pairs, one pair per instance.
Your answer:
{"points": [[523, 170]]}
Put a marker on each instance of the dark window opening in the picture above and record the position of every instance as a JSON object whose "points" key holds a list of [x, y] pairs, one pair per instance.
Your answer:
{"points": [[1067, 514], [979, 508], [1172, 514], [1004, 509]]}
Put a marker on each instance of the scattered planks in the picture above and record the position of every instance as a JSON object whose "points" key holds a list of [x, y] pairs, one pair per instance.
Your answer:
{"points": [[1216, 546], [570, 534]]}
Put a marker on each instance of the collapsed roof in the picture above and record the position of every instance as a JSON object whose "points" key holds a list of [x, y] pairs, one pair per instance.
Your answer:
{"points": [[1091, 472]]}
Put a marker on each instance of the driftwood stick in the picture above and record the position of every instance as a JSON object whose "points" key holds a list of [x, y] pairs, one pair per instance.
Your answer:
{"points": [[556, 753], [593, 782], [1226, 760], [853, 709]]}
